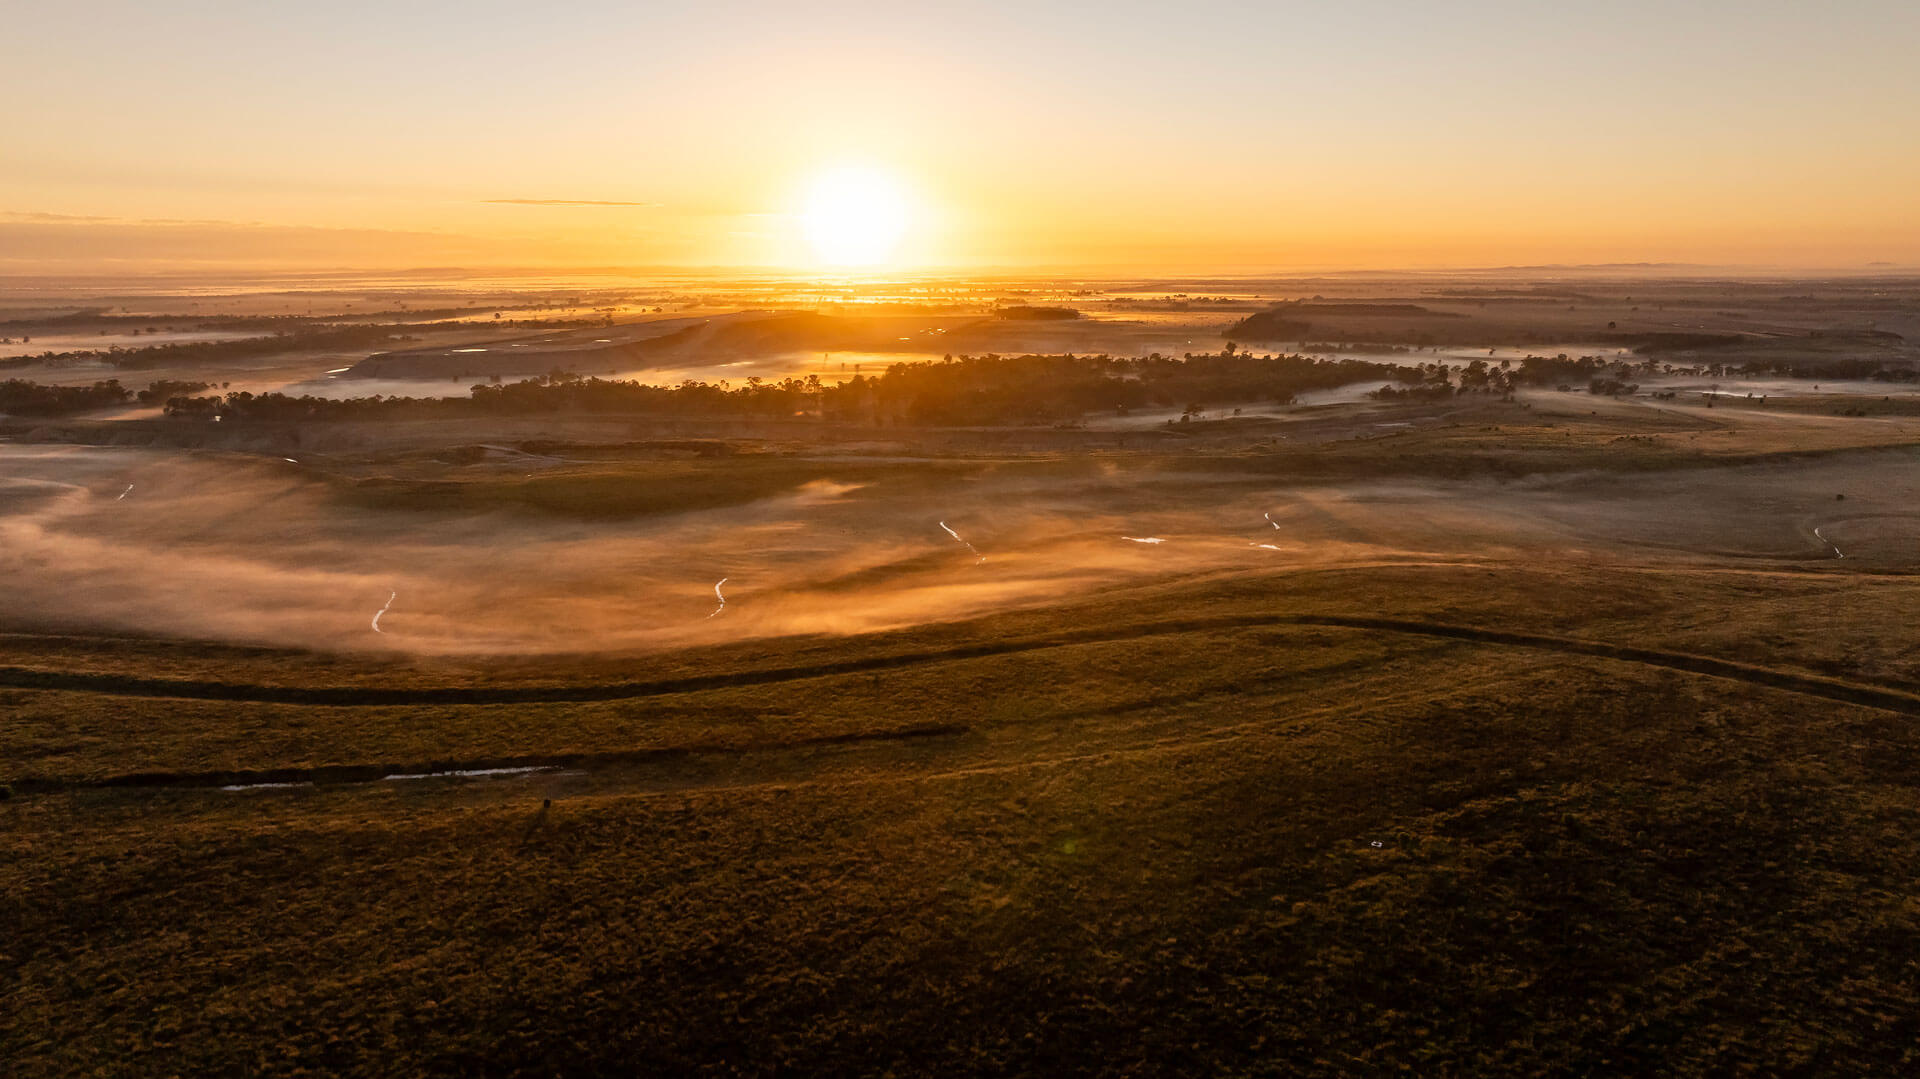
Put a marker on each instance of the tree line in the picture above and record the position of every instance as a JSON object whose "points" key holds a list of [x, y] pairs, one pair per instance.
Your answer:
{"points": [[956, 391], [19, 397]]}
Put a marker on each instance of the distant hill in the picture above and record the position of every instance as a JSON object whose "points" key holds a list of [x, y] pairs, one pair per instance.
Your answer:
{"points": [[1268, 326], [1291, 321]]}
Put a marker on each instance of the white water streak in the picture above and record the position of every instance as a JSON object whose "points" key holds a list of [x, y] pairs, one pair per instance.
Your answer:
{"points": [[126, 492], [717, 594], [963, 543], [471, 772], [1271, 521], [1828, 542], [263, 786], [1143, 539], [376, 615]]}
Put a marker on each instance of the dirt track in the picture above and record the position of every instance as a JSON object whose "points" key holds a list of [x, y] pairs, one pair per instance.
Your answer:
{"points": [[343, 697], [1873, 696]]}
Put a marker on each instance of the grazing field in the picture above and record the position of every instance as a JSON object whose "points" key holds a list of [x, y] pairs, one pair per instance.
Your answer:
{"points": [[1476, 732], [1238, 841], [912, 540]]}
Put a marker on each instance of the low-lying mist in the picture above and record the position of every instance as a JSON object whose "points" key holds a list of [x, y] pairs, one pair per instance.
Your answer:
{"points": [[263, 550]]}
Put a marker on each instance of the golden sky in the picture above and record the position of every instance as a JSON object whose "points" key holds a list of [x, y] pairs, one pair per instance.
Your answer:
{"points": [[1204, 136]]}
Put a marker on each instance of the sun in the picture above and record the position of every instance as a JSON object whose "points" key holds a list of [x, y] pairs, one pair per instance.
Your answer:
{"points": [[855, 217]]}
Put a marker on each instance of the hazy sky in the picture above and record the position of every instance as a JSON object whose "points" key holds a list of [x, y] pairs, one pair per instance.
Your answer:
{"points": [[1182, 136]]}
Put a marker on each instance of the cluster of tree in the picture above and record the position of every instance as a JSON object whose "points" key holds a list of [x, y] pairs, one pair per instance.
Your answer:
{"points": [[163, 390], [1565, 370], [1845, 367], [1358, 348], [19, 397], [559, 392], [269, 407], [1483, 377], [975, 390], [1182, 303], [1036, 314], [1437, 382], [91, 318], [1428, 391], [1612, 387]]}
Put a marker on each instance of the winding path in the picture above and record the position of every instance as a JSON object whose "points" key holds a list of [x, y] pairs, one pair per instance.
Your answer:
{"points": [[1813, 685]]}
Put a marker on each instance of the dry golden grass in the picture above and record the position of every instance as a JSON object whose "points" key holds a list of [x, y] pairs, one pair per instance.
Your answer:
{"points": [[1618, 803], [1299, 849]]}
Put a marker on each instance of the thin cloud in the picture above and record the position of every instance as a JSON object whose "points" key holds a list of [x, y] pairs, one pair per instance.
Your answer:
{"points": [[50, 219], [563, 202], [36, 218]]}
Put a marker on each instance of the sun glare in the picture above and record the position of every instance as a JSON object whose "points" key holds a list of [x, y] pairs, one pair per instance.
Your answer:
{"points": [[855, 217]]}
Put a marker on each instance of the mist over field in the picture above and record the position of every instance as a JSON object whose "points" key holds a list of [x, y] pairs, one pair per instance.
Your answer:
{"points": [[860, 539], [270, 551], [1262, 647]]}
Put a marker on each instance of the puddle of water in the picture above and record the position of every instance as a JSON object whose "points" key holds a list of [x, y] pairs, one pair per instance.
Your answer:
{"points": [[468, 773], [263, 786]]}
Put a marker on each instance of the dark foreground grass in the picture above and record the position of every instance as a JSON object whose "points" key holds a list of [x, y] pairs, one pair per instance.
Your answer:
{"points": [[1279, 851]]}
